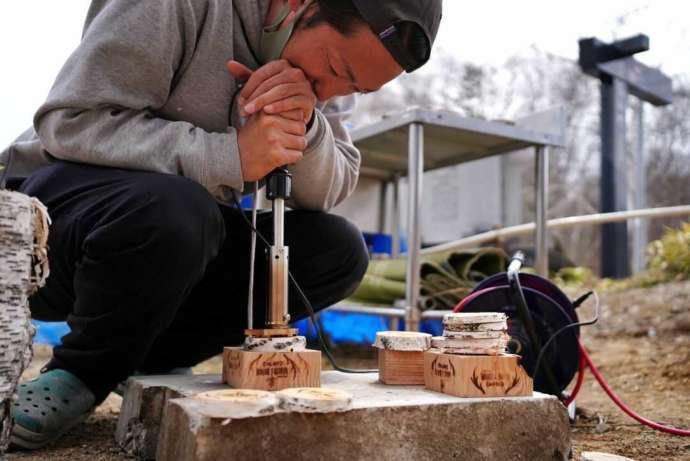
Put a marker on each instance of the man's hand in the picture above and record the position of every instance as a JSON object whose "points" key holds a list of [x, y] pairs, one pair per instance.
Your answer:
{"points": [[275, 88], [269, 141]]}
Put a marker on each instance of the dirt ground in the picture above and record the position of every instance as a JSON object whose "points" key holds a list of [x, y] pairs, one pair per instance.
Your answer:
{"points": [[641, 346]]}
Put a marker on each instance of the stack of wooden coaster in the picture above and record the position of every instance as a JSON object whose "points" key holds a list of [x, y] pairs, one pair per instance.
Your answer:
{"points": [[401, 356], [478, 333], [470, 359]]}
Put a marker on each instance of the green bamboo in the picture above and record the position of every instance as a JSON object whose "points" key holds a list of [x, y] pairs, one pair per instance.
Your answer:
{"points": [[379, 290], [446, 277]]}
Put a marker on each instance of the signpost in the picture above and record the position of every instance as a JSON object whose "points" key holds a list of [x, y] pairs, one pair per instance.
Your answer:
{"points": [[620, 75]]}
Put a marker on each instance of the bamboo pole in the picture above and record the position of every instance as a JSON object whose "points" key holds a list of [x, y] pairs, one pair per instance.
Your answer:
{"points": [[559, 223]]}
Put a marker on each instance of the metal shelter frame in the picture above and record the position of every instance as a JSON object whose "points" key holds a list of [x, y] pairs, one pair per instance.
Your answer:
{"points": [[420, 140]]}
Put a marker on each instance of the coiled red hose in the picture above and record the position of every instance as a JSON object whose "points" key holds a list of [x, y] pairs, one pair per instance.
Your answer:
{"points": [[578, 383], [584, 357]]}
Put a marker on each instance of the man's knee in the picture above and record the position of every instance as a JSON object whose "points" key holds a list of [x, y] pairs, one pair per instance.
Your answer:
{"points": [[99, 212], [179, 213]]}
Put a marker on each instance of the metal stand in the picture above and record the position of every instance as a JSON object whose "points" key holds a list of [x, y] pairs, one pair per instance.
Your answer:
{"points": [[395, 147]]}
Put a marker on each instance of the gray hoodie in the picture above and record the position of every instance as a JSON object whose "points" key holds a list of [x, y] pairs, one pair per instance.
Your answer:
{"points": [[147, 89]]}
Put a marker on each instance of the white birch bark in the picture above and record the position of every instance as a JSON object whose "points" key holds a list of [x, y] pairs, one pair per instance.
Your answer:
{"points": [[402, 341], [314, 400], [23, 268]]}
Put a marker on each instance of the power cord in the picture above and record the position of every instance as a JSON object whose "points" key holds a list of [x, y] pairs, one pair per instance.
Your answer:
{"points": [[518, 298], [591, 321], [304, 298], [586, 362]]}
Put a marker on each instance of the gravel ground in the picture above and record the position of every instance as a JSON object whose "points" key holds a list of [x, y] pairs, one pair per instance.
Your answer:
{"points": [[641, 346]]}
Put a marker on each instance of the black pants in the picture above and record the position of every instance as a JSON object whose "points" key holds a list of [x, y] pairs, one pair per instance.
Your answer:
{"points": [[151, 273]]}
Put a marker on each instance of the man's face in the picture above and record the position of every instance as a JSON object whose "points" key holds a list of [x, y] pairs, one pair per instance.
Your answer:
{"points": [[338, 65]]}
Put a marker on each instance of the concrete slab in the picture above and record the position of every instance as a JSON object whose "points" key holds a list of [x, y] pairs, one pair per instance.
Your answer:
{"points": [[143, 402], [386, 422]]}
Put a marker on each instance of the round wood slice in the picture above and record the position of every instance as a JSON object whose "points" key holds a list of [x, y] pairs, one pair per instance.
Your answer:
{"points": [[599, 456], [438, 342], [473, 351], [403, 341], [470, 318], [469, 347], [237, 403], [493, 326], [285, 344], [461, 341], [314, 400], [492, 334]]}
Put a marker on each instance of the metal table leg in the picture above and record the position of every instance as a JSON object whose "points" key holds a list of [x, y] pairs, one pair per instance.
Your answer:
{"points": [[415, 170], [395, 224], [541, 242]]}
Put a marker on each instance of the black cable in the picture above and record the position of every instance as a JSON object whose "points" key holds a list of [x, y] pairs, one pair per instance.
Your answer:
{"points": [[305, 300], [518, 298], [592, 321]]}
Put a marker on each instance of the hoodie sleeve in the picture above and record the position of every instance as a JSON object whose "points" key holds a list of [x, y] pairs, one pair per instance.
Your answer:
{"points": [[102, 107], [328, 172]]}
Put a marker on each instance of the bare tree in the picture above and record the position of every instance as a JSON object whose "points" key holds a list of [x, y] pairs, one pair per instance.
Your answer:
{"points": [[537, 81]]}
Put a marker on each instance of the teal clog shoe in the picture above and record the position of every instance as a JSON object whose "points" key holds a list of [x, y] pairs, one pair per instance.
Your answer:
{"points": [[49, 406]]}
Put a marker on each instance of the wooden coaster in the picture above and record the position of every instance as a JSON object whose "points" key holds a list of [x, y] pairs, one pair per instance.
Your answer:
{"points": [[463, 335], [476, 375], [271, 371], [471, 321], [237, 403], [402, 341], [455, 345], [314, 400], [275, 344]]}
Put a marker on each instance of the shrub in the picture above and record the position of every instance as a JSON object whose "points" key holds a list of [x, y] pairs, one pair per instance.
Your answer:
{"points": [[671, 253]]}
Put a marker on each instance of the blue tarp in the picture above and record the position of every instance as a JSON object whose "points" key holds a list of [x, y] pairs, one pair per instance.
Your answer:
{"points": [[49, 332], [348, 327]]}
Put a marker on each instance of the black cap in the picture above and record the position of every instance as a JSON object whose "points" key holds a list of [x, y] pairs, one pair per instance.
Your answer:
{"points": [[390, 19]]}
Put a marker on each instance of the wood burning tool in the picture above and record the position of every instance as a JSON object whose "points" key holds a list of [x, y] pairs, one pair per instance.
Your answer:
{"points": [[273, 357], [278, 188]]}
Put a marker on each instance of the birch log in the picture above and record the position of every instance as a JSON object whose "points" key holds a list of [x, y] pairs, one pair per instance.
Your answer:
{"points": [[23, 268]]}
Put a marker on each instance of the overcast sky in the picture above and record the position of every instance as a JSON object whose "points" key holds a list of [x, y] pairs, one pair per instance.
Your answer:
{"points": [[38, 35]]}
